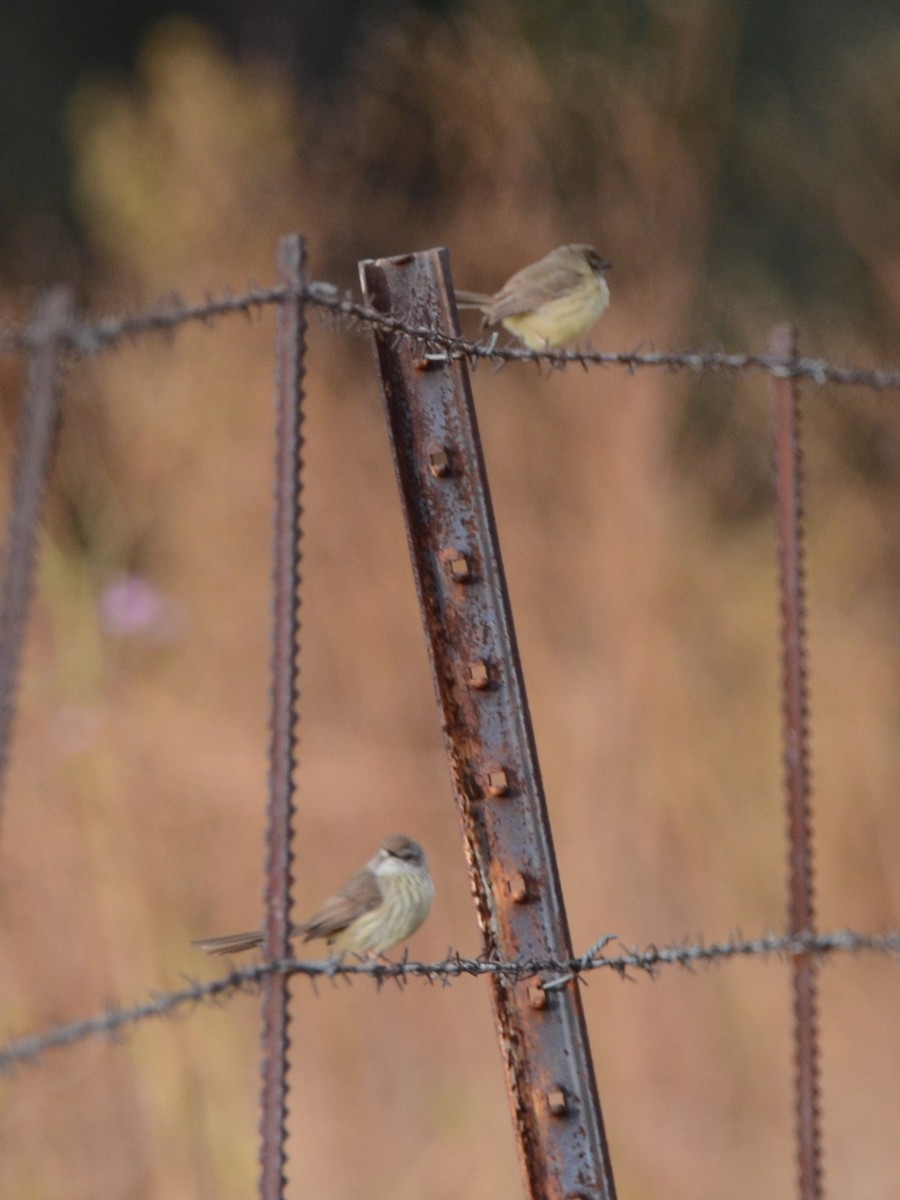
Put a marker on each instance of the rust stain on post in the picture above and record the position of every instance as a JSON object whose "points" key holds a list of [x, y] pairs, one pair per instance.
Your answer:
{"points": [[291, 348], [478, 678], [801, 908]]}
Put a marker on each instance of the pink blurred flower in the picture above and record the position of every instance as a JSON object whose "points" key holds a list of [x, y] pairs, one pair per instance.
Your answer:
{"points": [[130, 606]]}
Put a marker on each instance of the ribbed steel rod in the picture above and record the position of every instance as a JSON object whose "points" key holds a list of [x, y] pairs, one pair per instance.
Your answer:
{"points": [[291, 347], [31, 468], [801, 883]]}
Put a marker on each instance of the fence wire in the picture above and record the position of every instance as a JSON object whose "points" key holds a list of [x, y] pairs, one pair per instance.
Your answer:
{"points": [[87, 338], [31, 1048], [105, 333]]}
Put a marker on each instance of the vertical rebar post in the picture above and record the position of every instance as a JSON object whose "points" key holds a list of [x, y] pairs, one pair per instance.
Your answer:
{"points": [[291, 347], [490, 743], [31, 469], [801, 905]]}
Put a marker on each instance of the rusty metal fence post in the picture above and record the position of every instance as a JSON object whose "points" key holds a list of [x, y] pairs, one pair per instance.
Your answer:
{"points": [[477, 674], [801, 883], [291, 347], [34, 457]]}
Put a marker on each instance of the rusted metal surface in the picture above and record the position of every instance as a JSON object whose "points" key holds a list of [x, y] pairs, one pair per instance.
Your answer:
{"points": [[801, 908], [283, 717], [477, 674], [34, 456]]}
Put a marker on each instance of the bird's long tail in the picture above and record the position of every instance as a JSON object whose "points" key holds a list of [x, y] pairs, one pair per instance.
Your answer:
{"points": [[471, 299], [232, 943]]}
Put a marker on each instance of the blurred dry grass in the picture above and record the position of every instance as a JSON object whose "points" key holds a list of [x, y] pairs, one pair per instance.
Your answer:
{"points": [[639, 549]]}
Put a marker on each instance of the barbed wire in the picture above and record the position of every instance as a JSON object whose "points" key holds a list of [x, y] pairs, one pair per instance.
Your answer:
{"points": [[31, 1048], [92, 337]]}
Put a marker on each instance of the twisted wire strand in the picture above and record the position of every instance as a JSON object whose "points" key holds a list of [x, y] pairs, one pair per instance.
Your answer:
{"points": [[31, 1048], [92, 337]]}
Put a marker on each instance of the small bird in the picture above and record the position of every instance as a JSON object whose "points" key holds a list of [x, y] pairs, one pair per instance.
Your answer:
{"points": [[550, 303], [381, 905]]}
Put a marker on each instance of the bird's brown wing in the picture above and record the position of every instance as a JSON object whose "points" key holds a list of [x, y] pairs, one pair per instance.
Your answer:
{"points": [[358, 895], [529, 288]]}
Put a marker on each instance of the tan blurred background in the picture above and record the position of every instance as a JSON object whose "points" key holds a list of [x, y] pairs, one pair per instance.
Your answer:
{"points": [[636, 523]]}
